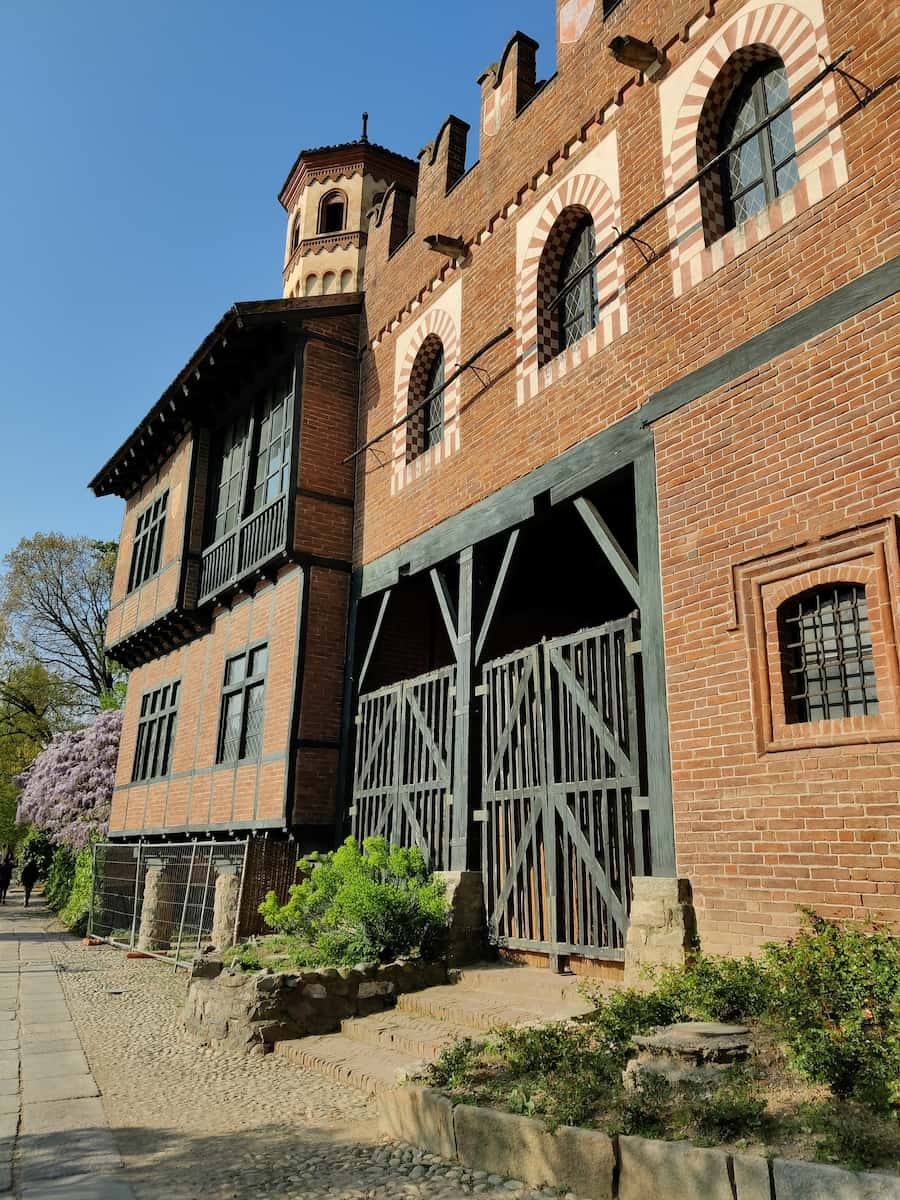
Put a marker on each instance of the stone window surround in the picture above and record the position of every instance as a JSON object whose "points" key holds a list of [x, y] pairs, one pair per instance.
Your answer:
{"points": [[801, 41], [867, 556]]}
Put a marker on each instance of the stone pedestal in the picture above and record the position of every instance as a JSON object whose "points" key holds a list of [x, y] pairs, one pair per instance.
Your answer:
{"points": [[156, 928], [692, 1054], [468, 929], [225, 909], [662, 930]]}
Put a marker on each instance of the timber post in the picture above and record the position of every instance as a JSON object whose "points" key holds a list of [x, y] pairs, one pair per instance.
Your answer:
{"points": [[459, 817]]}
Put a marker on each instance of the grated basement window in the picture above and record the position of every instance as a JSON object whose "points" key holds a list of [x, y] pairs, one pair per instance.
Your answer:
{"points": [[156, 733], [148, 536], [243, 695], [826, 652]]}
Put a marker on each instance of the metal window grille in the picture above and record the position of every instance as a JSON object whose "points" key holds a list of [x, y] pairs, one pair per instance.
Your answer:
{"points": [[148, 536], [156, 732], [243, 698], [765, 167], [578, 312], [826, 648], [434, 417]]}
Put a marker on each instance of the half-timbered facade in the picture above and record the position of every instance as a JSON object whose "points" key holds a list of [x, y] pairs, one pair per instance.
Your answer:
{"points": [[597, 575]]}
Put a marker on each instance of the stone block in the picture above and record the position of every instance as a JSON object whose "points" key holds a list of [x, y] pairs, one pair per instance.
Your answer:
{"points": [[419, 1116], [651, 1170], [467, 930], [751, 1177], [225, 909], [580, 1160], [814, 1181], [662, 926]]}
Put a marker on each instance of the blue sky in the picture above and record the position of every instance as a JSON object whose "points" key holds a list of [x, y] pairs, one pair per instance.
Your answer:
{"points": [[142, 148]]}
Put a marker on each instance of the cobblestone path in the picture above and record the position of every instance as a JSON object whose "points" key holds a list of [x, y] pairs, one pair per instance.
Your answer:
{"points": [[175, 1121]]}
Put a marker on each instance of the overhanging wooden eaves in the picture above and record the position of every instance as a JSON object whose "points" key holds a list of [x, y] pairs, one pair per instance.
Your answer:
{"points": [[240, 332]]}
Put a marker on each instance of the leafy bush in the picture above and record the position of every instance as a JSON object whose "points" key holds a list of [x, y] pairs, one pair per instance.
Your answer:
{"points": [[362, 905], [244, 955], [620, 1015], [60, 877], [836, 995], [76, 909], [659, 1110], [711, 988]]}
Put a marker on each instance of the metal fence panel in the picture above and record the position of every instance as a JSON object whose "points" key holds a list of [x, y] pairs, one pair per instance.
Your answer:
{"points": [[183, 886]]}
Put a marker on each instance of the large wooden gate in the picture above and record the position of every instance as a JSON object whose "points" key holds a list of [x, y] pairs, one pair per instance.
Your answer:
{"points": [[564, 824], [403, 766]]}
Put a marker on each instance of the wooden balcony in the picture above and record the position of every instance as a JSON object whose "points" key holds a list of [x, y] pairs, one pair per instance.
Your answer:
{"points": [[258, 540]]}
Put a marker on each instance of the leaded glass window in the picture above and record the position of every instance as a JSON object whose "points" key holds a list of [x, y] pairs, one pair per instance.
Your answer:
{"points": [[272, 447], [243, 697], [434, 412], [826, 650], [578, 312], [765, 166], [229, 488], [155, 733], [148, 537]]}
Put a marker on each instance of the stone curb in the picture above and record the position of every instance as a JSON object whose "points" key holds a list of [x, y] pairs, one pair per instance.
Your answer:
{"points": [[597, 1167]]}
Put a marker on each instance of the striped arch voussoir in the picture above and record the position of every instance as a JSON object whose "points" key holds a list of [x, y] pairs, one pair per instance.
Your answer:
{"points": [[697, 223]]}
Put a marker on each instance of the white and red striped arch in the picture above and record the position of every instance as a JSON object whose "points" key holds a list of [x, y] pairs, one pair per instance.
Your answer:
{"points": [[796, 33]]}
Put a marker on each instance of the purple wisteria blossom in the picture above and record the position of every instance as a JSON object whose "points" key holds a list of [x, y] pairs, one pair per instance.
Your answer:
{"points": [[67, 790]]}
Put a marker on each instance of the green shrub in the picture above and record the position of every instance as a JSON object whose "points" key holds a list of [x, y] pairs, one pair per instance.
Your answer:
{"points": [[836, 996], [620, 1015], [76, 909], [711, 988], [244, 955], [60, 877], [362, 905], [452, 1066]]}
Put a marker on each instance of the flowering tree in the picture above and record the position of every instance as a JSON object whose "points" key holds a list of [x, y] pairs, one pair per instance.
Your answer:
{"points": [[67, 790]]}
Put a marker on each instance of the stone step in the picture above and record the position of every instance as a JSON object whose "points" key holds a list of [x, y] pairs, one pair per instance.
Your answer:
{"points": [[370, 1068], [421, 1037], [508, 979], [480, 1010]]}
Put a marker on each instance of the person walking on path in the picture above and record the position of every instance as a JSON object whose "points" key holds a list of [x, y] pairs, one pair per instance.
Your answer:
{"points": [[29, 876], [6, 870]]}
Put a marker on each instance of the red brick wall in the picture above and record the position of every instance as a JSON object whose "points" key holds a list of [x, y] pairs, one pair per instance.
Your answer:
{"points": [[131, 611], [829, 244], [197, 792], [799, 450], [802, 450]]}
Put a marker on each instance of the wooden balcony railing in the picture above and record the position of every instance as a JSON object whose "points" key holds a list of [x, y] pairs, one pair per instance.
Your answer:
{"points": [[258, 538]]}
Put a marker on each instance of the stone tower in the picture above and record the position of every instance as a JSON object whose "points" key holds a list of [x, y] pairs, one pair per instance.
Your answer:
{"points": [[329, 196]]}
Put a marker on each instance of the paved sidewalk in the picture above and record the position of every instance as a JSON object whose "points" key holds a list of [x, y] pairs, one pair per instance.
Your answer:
{"points": [[55, 1137], [117, 1103]]}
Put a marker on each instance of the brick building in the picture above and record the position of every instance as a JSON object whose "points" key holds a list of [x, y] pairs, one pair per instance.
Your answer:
{"points": [[550, 520]]}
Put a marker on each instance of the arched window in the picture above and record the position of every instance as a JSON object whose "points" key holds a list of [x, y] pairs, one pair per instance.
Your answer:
{"points": [[826, 654], [295, 234], [748, 89], [425, 428], [567, 306], [332, 212], [577, 308]]}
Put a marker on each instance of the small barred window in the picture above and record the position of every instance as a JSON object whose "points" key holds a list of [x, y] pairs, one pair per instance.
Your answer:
{"points": [[425, 427], [148, 538], [826, 653]]}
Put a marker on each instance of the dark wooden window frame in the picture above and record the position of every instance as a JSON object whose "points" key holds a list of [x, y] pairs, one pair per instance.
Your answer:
{"points": [[241, 743], [434, 413], [826, 654], [246, 469], [752, 90], [156, 732], [148, 538]]}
